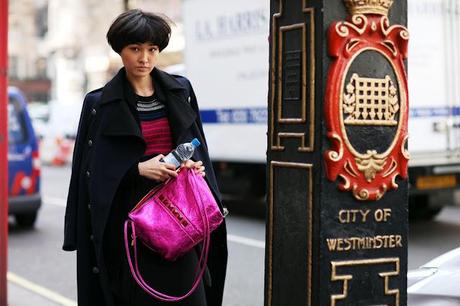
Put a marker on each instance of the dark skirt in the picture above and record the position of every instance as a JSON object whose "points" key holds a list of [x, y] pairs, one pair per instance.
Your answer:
{"points": [[169, 277], [172, 278]]}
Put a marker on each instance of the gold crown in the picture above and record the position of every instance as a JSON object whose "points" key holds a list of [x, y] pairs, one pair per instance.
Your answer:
{"points": [[379, 7]]}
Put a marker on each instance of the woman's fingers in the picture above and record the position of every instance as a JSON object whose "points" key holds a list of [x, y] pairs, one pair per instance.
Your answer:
{"points": [[200, 170], [188, 164], [197, 166], [157, 170], [170, 173], [169, 166]]}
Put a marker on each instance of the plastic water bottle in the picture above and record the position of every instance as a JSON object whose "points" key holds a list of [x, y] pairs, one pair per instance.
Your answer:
{"points": [[182, 153]]}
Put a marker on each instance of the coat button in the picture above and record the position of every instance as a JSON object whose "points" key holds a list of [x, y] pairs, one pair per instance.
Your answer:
{"points": [[88, 174], [89, 206], [188, 99], [93, 111], [95, 270], [90, 142], [91, 237]]}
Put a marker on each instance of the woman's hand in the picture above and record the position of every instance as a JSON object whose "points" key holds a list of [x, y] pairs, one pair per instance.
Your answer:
{"points": [[156, 170], [198, 166]]}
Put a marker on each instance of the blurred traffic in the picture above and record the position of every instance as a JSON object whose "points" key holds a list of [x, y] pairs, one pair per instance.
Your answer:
{"points": [[24, 197], [436, 282], [55, 124]]}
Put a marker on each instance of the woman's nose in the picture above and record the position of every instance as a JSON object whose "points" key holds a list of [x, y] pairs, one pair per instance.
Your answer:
{"points": [[144, 58]]}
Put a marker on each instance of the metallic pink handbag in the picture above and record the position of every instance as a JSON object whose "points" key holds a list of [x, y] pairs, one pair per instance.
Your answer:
{"points": [[171, 219]]}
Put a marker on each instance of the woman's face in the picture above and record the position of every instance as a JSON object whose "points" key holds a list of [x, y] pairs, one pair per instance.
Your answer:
{"points": [[139, 59]]}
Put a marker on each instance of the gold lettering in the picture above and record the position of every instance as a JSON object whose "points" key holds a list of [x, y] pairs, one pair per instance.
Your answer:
{"points": [[386, 214], [382, 215], [392, 241], [364, 214], [361, 243], [348, 244], [378, 215], [398, 241], [353, 215], [339, 244], [364, 243], [331, 243], [342, 218], [379, 240]]}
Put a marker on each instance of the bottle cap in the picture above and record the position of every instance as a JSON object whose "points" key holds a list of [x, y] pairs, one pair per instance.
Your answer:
{"points": [[195, 142]]}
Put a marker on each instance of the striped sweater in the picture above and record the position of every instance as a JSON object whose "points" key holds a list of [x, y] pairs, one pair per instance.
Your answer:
{"points": [[154, 125]]}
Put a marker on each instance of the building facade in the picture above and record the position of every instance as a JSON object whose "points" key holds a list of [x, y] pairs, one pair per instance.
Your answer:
{"points": [[58, 48]]}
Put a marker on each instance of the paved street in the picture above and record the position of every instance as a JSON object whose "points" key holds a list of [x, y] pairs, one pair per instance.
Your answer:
{"points": [[35, 256]]}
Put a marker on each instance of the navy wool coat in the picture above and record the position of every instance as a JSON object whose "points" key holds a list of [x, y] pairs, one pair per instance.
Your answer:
{"points": [[108, 147]]}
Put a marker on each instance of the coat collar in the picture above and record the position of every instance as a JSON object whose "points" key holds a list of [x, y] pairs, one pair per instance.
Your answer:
{"points": [[122, 117], [115, 88]]}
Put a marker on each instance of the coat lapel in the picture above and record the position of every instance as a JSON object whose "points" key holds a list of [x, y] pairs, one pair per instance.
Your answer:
{"points": [[120, 119], [180, 114]]}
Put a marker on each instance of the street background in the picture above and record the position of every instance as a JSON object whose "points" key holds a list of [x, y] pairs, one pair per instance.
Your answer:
{"points": [[57, 52], [36, 254]]}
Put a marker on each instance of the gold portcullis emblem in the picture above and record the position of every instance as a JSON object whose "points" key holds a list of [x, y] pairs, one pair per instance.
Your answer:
{"points": [[370, 101], [371, 106]]}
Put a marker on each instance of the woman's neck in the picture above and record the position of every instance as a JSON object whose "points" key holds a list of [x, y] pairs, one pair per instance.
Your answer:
{"points": [[141, 86]]}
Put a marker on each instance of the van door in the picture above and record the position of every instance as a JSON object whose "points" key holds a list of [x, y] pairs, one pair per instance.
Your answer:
{"points": [[433, 136], [20, 147]]}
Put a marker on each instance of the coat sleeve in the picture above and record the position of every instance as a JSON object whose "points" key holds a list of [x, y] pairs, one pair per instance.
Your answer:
{"points": [[193, 102], [210, 175], [70, 222]]}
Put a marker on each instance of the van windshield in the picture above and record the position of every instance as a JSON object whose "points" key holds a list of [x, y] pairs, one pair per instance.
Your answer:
{"points": [[17, 132]]}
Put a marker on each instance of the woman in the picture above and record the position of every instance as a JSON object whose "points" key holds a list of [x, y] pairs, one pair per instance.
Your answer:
{"points": [[125, 129]]}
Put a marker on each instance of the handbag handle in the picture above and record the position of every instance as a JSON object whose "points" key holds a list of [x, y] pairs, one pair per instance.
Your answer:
{"points": [[201, 265]]}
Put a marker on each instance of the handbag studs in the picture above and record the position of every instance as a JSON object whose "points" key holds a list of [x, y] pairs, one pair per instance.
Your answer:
{"points": [[170, 206]]}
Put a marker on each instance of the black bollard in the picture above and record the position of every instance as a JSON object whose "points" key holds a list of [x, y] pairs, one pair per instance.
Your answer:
{"points": [[337, 154]]}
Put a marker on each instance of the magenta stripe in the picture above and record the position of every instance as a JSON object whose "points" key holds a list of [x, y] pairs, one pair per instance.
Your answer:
{"points": [[157, 135], [149, 133], [157, 150], [155, 126], [159, 142], [154, 141], [155, 123], [156, 129]]}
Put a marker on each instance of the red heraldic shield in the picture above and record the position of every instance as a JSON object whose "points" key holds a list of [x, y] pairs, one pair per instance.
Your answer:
{"points": [[366, 105]]}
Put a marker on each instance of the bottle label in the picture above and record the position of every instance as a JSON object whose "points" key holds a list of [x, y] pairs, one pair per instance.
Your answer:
{"points": [[171, 159]]}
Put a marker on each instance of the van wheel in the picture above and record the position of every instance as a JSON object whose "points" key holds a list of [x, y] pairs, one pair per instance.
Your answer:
{"points": [[26, 220], [419, 208]]}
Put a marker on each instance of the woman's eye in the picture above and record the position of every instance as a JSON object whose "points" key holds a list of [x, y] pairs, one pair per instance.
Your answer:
{"points": [[135, 49]]}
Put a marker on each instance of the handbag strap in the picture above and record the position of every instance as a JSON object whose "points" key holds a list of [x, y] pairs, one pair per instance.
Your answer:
{"points": [[201, 265]]}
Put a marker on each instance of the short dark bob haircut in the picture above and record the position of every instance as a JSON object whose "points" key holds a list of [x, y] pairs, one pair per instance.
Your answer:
{"points": [[137, 27]]}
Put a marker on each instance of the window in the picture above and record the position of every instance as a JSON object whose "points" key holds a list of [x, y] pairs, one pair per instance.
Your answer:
{"points": [[17, 132], [13, 67], [41, 21]]}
